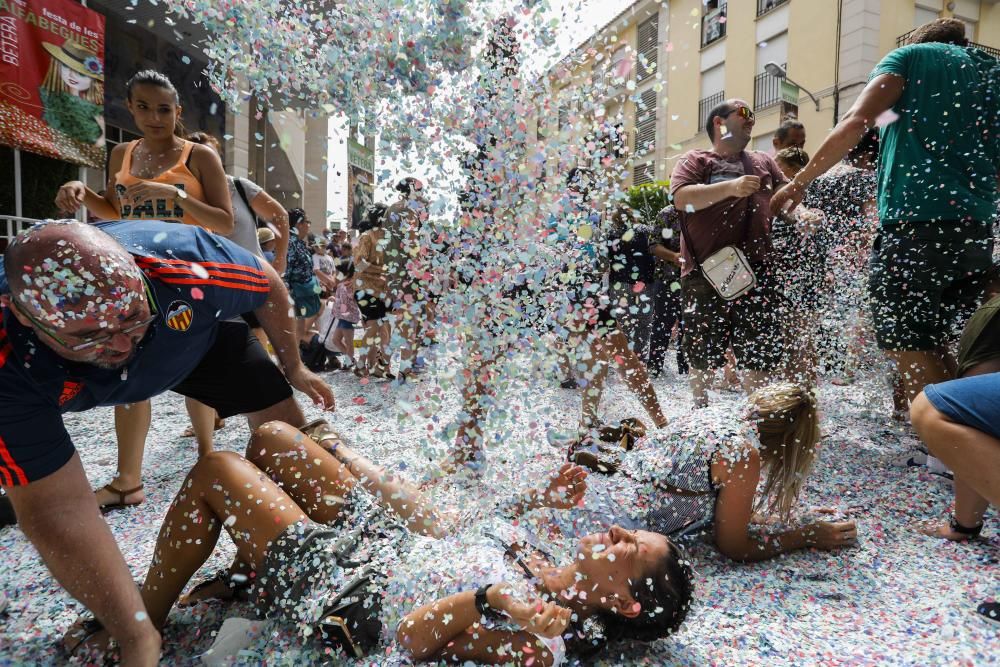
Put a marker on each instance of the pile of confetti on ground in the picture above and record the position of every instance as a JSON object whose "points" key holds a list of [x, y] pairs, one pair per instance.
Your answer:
{"points": [[899, 598]]}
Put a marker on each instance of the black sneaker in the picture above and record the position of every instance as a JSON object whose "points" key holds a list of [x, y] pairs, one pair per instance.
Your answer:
{"points": [[570, 383], [990, 611]]}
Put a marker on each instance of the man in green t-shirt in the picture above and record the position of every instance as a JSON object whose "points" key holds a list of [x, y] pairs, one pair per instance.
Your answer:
{"points": [[936, 103]]}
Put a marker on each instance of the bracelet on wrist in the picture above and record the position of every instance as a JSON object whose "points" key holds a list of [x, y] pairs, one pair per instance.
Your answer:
{"points": [[483, 606]]}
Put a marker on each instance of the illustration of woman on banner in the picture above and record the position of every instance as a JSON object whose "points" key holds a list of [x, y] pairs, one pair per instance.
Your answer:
{"points": [[73, 93]]}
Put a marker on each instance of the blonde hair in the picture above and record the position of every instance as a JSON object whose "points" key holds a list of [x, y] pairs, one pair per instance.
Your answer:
{"points": [[53, 81], [788, 426]]}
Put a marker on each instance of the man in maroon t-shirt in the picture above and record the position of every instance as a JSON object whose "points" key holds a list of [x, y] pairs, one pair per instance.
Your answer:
{"points": [[712, 191]]}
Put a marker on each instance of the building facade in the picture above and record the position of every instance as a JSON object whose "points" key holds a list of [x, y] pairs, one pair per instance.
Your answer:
{"points": [[648, 100], [284, 151]]}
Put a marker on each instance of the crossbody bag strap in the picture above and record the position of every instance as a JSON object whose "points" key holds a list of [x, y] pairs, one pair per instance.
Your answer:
{"points": [[682, 219], [748, 170]]}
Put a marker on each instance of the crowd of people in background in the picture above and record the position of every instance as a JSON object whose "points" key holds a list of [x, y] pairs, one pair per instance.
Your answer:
{"points": [[740, 273]]}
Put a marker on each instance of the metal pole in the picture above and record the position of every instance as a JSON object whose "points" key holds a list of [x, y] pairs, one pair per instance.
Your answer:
{"points": [[82, 215], [17, 183]]}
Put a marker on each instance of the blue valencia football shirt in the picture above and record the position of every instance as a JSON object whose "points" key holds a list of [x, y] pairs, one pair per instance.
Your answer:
{"points": [[194, 280]]}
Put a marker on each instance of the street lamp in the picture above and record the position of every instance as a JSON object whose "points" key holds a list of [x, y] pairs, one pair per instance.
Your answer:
{"points": [[778, 72]]}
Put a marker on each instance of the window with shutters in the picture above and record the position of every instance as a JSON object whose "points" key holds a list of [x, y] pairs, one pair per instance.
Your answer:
{"points": [[645, 122], [617, 73], [642, 174], [648, 47]]}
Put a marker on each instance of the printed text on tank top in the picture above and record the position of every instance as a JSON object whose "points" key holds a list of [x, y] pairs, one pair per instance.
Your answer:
{"points": [[177, 174]]}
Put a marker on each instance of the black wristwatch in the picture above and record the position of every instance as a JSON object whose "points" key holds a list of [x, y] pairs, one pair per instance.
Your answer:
{"points": [[483, 606]]}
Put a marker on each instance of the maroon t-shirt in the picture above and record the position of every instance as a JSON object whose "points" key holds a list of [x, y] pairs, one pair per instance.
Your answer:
{"points": [[721, 224]]}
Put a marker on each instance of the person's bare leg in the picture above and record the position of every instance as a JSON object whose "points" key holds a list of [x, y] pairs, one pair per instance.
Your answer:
{"points": [[633, 371], [315, 480], [403, 497], [700, 380], [223, 489], [203, 420], [406, 330], [59, 516], [343, 340], [475, 396], [974, 457], [384, 335], [373, 344], [919, 369], [730, 377], [131, 427], [594, 377]]}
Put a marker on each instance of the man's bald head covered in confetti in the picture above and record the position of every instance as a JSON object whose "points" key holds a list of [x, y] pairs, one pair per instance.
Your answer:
{"points": [[79, 290]]}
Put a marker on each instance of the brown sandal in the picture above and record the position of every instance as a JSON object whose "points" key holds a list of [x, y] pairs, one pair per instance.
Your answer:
{"points": [[120, 503]]}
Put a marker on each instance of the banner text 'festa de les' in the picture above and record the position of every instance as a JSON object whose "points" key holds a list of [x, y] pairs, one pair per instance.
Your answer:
{"points": [[52, 80]]}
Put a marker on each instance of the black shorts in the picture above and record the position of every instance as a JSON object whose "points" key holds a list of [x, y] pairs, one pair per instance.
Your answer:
{"points": [[236, 377], [926, 280], [251, 320], [372, 306]]}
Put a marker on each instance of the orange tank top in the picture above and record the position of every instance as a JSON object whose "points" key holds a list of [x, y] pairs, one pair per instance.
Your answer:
{"points": [[169, 210]]}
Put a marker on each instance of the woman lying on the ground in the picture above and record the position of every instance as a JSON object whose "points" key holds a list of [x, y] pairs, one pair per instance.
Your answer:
{"points": [[704, 469], [330, 556]]}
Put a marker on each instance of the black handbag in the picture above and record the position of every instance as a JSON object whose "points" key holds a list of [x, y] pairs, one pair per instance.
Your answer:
{"points": [[314, 353]]}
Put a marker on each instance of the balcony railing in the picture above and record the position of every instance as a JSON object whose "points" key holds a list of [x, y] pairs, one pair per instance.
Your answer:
{"points": [[764, 6], [713, 25], [705, 106], [766, 90], [904, 39]]}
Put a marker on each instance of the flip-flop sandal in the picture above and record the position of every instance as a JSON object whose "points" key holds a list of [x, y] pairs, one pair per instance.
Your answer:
{"points": [[320, 431], [82, 630], [120, 503], [588, 454]]}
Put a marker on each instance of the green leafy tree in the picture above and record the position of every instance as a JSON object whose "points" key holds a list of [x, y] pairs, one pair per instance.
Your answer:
{"points": [[649, 199]]}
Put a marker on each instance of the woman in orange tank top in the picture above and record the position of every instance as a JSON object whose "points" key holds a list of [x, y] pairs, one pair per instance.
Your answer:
{"points": [[158, 177], [161, 176]]}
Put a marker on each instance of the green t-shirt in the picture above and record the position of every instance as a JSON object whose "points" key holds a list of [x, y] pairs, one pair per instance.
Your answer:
{"points": [[939, 160]]}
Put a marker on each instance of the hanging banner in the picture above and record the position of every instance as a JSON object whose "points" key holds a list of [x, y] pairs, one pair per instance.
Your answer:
{"points": [[360, 181], [52, 80]]}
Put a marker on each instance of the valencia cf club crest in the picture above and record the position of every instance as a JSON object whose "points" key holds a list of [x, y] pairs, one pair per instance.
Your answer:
{"points": [[179, 316]]}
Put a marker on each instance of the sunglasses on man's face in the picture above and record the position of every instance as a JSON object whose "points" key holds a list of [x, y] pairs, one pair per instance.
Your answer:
{"points": [[743, 112], [88, 342]]}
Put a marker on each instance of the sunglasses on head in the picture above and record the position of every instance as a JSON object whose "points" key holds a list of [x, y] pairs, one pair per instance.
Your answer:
{"points": [[744, 112]]}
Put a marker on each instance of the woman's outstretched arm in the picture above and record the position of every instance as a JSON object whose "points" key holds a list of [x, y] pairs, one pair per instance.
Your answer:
{"points": [[734, 511]]}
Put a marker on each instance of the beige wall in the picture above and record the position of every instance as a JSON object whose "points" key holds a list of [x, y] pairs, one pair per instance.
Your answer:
{"points": [[869, 30]]}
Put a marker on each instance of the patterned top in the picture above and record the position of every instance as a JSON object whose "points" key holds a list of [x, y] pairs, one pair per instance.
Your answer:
{"points": [[665, 483], [802, 267], [299, 270]]}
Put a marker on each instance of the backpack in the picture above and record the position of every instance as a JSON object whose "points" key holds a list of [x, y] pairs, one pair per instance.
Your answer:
{"points": [[238, 182]]}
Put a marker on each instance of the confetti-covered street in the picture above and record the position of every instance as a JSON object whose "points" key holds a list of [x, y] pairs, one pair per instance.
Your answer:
{"points": [[899, 598]]}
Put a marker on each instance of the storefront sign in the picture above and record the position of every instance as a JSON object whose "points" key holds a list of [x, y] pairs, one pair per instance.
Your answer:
{"points": [[52, 80], [360, 181]]}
